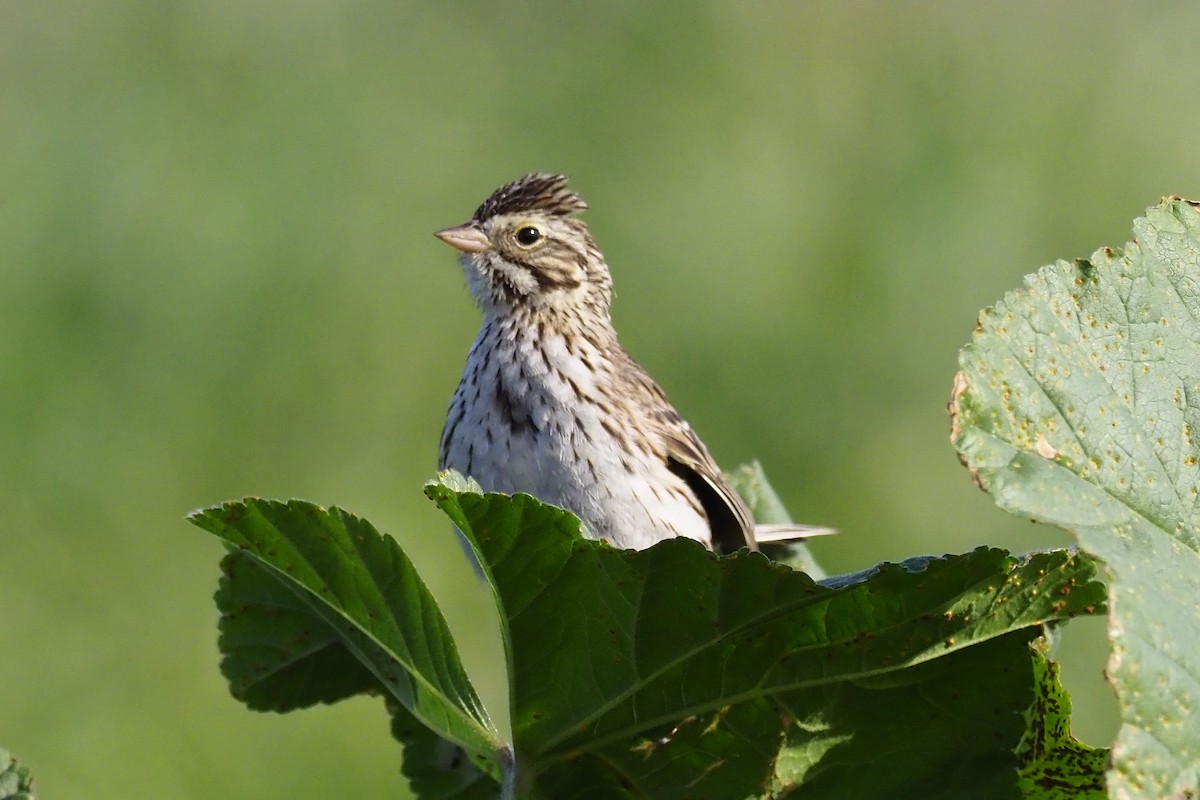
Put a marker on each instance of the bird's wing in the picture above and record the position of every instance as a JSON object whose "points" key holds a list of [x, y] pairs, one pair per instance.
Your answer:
{"points": [[730, 519]]}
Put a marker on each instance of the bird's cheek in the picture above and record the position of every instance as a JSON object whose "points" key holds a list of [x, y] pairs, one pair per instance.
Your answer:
{"points": [[517, 278]]}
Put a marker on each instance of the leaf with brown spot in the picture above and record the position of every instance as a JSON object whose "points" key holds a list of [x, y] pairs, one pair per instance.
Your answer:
{"points": [[1078, 405]]}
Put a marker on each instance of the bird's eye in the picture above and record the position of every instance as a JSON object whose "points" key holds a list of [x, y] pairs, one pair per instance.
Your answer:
{"points": [[528, 236]]}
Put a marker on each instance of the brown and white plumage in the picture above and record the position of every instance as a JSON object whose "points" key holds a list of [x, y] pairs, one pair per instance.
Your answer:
{"points": [[552, 405]]}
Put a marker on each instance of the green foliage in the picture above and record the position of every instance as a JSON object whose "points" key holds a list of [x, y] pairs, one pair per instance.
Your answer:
{"points": [[316, 605], [1053, 764], [1078, 404], [635, 673], [16, 782]]}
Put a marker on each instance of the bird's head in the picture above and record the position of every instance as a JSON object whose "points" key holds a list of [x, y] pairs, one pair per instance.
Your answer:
{"points": [[524, 250]]}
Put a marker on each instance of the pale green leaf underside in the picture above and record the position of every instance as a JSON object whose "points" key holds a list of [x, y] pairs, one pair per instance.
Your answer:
{"points": [[1078, 405]]}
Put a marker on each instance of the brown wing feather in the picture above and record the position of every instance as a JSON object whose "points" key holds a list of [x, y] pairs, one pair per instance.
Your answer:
{"points": [[730, 520]]}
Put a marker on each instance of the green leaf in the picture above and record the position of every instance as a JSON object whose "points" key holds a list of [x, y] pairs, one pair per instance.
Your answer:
{"points": [[435, 768], [16, 782], [279, 655], [1078, 404], [945, 728], [318, 605], [645, 671], [750, 481], [1055, 765]]}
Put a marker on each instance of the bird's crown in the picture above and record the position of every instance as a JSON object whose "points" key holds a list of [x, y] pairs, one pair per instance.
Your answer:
{"points": [[534, 192]]}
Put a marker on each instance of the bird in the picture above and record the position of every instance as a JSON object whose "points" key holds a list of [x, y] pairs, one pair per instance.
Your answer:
{"points": [[550, 404]]}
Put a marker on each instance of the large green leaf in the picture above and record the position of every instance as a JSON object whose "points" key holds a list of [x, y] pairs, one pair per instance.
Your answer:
{"points": [[1078, 404], [636, 673], [318, 605]]}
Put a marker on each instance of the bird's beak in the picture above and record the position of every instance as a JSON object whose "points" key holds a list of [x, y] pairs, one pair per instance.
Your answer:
{"points": [[469, 238]]}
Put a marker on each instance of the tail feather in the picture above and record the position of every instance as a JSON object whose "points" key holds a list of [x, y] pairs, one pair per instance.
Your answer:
{"points": [[778, 534]]}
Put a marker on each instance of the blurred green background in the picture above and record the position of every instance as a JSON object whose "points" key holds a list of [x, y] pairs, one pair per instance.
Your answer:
{"points": [[217, 278]]}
